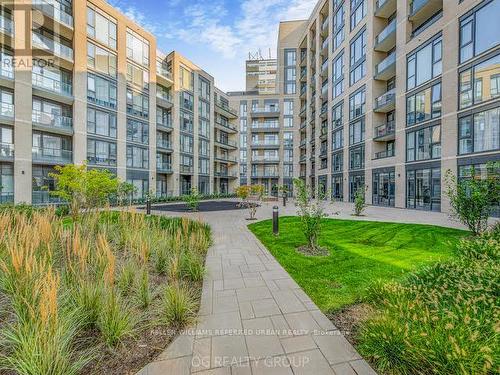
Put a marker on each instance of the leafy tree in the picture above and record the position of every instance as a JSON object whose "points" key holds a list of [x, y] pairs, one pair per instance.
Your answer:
{"points": [[126, 191], [359, 201], [473, 199], [193, 200], [311, 211], [251, 196]]}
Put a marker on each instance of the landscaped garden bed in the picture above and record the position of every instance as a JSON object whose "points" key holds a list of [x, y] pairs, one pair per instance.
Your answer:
{"points": [[100, 294]]}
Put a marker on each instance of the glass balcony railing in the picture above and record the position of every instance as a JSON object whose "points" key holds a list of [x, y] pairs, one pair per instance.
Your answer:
{"points": [[164, 166], [162, 71], [385, 99], [226, 158], [164, 96], [6, 66], [385, 63], [416, 5], [385, 129], [226, 142], [266, 125], [52, 155], [269, 174], [389, 29], [6, 150], [271, 110], [51, 84], [265, 143], [226, 125], [102, 160], [225, 174], [164, 123], [265, 158], [52, 120], [6, 25], [186, 169], [53, 9], [384, 154], [58, 49], [44, 197], [162, 143], [7, 110], [226, 107]]}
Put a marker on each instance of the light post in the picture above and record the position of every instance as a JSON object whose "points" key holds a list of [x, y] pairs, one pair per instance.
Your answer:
{"points": [[275, 221]]}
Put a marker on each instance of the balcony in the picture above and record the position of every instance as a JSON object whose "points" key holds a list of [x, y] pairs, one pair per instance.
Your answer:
{"points": [[385, 132], [186, 169], [324, 26], [102, 161], [226, 143], [163, 145], [52, 121], [54, 10], [324, 90], [6, 26], [226, 126], [324, 68], [324, 110], [303, 143], [163, 167], [265, 112], [6, 71], [226, 110], [6, 151], [303, 73], [265, 159], [163, 74], [386, 69], [324, 47], [225, 174], [52, 85], [422, 10], [44, 197], [385, 102], [265, 144], [164, 125], [384, 8], [384, 154], [163, 99], [6, 198], [265, 174], [6, 111], [55, 47], [386, 40], [51, 155], [265, 127], [225, 158]]}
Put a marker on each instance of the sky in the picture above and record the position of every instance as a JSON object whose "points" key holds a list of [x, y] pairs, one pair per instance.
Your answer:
{"points": [[217, 35]]}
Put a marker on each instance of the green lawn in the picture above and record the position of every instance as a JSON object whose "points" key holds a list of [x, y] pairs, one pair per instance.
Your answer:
{"points": [[361, 252]]}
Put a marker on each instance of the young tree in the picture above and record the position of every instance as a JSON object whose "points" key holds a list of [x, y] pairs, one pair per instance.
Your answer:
{"points": [[250, 197], [473, 199], [311, 211], [126, 192], [359, 201], [193, 200]]}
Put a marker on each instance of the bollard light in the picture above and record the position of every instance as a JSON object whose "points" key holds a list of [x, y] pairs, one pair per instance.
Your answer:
{"points": [[148, 206], [284, 199], [275, 221]]}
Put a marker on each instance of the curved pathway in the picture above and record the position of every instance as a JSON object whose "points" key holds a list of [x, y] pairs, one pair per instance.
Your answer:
{"points": [[254, 318]]}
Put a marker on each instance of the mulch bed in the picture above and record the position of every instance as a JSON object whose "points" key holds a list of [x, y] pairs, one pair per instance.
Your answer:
{"points": [[349, 320], [209, 206]]}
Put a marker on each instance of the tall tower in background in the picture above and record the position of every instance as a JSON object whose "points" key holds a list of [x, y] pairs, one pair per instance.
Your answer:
{"points": [[261, 73]]}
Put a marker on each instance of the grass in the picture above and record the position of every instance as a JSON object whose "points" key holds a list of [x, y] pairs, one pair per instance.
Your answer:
{"points": [[76, 297], [361, 253]]}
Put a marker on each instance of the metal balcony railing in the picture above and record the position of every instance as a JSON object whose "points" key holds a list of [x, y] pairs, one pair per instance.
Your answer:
{"points": [[163, 167], [161, 143], [51, 119], [52, 155], [385, 99], [6, 150], [7, 110], [385, 129], [384, 154], [6, 25]]}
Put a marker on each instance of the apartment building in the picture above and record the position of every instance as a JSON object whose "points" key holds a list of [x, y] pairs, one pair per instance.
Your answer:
{"points": [[392, 94], [261, 75], [80, 82]]}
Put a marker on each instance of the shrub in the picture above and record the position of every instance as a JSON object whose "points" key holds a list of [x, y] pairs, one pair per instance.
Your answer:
{"points": [[310, 211], [193, 200], [473, 199], [143, 291], [178, 306], [115, 321], [193, 267], [442, 319], [359, 201]]}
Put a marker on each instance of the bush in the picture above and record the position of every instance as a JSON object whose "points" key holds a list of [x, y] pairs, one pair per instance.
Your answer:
{"points": [[178, 307], [251, 196], [193, 200], [115, 321], [442, 319], [359, 201]]}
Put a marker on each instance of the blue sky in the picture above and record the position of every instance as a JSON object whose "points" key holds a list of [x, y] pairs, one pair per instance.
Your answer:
{"points": [[216, 34]]}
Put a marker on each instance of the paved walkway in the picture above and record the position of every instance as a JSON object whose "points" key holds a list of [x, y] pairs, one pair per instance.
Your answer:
{"points": [[254, 318]]}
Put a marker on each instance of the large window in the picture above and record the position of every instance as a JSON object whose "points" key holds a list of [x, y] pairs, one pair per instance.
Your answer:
{"points": [[358, 11], [423, 189], [424, 64], [101, 60], [137, 76], [186, 122], [186, 143], [337, 188], [357, 157], [338, 75], [338, 162], [101, 152], [338, 27], [479, 132], [101, 28], [479, 31], [137, 157], [423, 144], [338, 115], [290, 71], [204, 109], [480, 83], [357, 131], [137, 131], [187, 101], [357, 104], [101, 91], [204, 88], [383, 191], [186, 78], [137, 104], [482, 171], [101, 123], [358, 58], [137, 48], [423, 105], [7, 182]]}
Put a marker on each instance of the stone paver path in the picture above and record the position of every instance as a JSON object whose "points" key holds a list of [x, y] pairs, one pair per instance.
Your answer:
{"points": [[254, 318]]}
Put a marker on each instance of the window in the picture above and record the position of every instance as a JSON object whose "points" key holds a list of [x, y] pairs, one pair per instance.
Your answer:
{"points": [[163, 117], [137, 131], [137, 48], [338, 139], [204, 166], [479, 31], [338, 75], [424, 64], [101, 28], [357, 132], [357, 104], [337, 188], [243, 109], [141, 187], [338, 28], [290, 71], [186, 143], [186, 78], [383, 191], [424, 105], [187, 101], [101, 152], [423, 189], [204, 89], [203, 147], [137, 77], [101, 123], [204, 128], [288, 107], [137, 104], [7, 182], [338, 115], [423, 144], [287, 170], [338, 162], [480, 83], [137, 157], [101, 60], [482, 171], [356, 182], [186, 122], [51, 113], [358, 11], [288, 153], [101, 91], [358, 58], [479, 132], [357, 157], [204, 109], [243, 124]]}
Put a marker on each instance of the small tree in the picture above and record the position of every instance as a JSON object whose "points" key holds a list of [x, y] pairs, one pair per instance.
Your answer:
{"points": [[243, 192], [473, 199], [310, 211], [126, 192], [359, 201], [193, 200], [250, 197]]}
